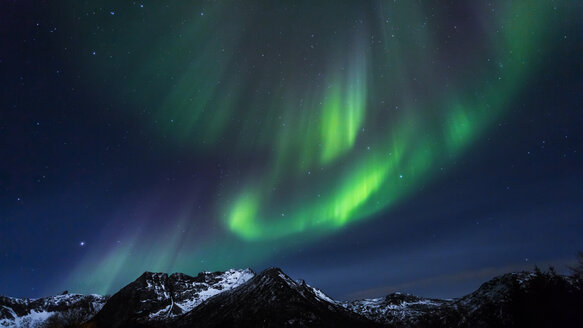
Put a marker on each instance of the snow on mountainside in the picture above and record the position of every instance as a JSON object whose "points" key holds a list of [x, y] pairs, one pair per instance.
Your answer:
{"points": [[396, 308], [522, 299], [320, 294], [161, 297], [15, 312], [212, 286], [241, 298], [272, 299]]}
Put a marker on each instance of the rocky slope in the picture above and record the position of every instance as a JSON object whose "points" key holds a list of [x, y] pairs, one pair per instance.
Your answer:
{"points": [[241, 298], [15, 312], [521, 299], [397, 309], [272, 299], [157, 298]]}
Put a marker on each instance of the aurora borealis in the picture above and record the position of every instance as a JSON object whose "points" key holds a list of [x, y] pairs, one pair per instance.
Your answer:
{"points": [[342, 140]]}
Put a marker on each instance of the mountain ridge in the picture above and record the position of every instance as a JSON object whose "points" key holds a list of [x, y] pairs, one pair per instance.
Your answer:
{"points": [[243, 298]]}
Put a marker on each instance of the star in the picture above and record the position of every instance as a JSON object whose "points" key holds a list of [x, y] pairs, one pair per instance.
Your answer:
{"points": [[82, 243]]}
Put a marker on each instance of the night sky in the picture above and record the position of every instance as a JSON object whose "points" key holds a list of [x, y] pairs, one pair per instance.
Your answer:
{"points": [[364, 146]]}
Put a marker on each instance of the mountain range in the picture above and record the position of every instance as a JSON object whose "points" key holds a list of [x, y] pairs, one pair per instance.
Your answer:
{"points": [[243, 298]]}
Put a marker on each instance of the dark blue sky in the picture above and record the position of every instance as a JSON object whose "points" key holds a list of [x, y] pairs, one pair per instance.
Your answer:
{"points": [[88, 187]]}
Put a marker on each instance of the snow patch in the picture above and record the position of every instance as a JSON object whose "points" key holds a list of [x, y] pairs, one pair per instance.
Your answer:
{"points": [[321, 295], [32, 320], [203, 291], [287, 280]]}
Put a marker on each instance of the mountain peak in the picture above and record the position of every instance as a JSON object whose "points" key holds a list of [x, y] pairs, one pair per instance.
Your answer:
{"points": [[271, 298], [155, 297], [272, 270], [276, 274]]}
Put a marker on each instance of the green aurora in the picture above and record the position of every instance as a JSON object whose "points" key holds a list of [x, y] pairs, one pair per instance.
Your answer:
{"points": [[346, 121], [324, 133]]}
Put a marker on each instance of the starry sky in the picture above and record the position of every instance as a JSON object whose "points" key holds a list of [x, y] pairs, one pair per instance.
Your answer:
{"points": [[364, 146]]}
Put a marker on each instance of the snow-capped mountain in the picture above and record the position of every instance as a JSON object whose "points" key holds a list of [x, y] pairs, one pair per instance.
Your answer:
{"points": [[396, 309], [16, 312], [522, 299], [158, 297], [241, 298], [272, 299]]}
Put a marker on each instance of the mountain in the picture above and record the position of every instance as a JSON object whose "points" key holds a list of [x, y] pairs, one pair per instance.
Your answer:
{"points": [[15, 312], [524, 299], [272, 299], [242, 298], [399, 310], [156, 298]]}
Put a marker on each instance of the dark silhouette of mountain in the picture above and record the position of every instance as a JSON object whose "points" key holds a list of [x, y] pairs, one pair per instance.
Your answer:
{"points": [[241, 298], [272, 299], [539, 299], [521, 299], [154, 299]]}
